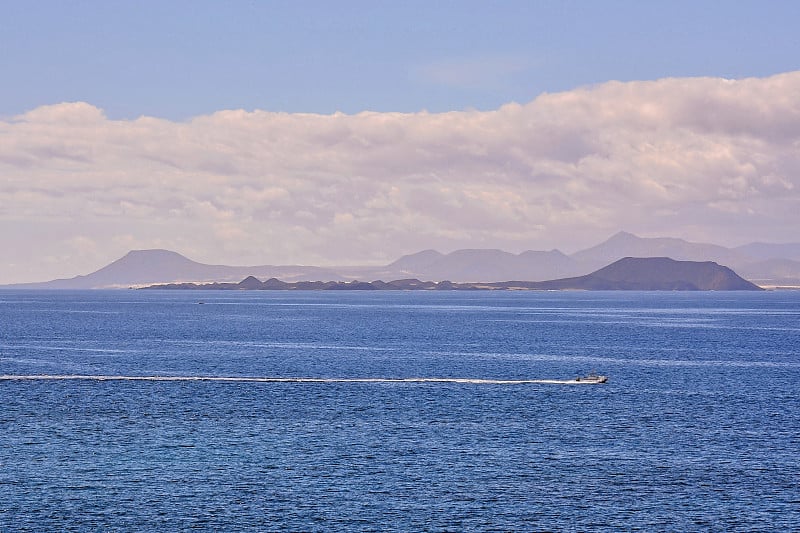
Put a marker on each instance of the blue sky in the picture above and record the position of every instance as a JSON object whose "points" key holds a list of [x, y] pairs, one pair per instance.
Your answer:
{"points": [[354, 132], [179, 59]]}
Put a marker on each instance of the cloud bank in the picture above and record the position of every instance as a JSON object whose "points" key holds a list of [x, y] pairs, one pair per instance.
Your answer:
{"points": [[700, 158]]}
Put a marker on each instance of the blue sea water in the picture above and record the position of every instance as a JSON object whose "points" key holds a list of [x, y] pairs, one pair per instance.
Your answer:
{"points": [[698, 428]]}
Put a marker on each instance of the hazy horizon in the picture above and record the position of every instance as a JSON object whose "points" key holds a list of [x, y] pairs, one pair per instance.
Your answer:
{"points": [[357, 133], [481, 261]]}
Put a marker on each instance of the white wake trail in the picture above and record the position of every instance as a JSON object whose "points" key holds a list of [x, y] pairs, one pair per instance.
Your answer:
{"points": [[247, 379]]}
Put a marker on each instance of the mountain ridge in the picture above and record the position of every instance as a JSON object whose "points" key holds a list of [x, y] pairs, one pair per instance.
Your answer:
{"points": [[758, 262], [629, 273]]}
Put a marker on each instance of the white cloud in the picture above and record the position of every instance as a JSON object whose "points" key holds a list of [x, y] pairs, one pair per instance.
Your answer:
{"points": [[661, 157]]}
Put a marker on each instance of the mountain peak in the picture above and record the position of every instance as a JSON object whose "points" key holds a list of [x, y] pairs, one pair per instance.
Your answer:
{"points": [[624, 244], [416, 261], [250, 282], [154, 254], [623, 235], [151, 251], [150, 259]]}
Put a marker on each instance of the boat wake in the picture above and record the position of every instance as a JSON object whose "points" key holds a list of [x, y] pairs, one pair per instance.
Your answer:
{"points": [[247, 379]]}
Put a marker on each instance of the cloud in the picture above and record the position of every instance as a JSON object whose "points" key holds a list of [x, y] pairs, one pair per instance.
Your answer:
{"points": [[475, 72], [699, 158]]}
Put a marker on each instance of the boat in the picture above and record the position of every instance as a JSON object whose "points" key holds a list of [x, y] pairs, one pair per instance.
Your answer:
{"points": [[591, 377]]}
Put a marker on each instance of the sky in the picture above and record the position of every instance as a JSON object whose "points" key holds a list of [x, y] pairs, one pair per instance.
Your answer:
{"points": [[246, 132]]}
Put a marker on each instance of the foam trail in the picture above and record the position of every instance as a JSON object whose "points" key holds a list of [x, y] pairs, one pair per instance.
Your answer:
{"points": [[245, 379]]}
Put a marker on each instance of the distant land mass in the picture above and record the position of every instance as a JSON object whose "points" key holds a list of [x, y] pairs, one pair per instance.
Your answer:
{"points": [[629, 273], [656, 274], [764, 264]]}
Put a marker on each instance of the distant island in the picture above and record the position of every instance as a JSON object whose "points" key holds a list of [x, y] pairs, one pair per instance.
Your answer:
{"points": [[767, 265], [629, 273]]}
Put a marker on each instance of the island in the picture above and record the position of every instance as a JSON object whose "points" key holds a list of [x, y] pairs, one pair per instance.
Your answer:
{"points": [[629, 273]]}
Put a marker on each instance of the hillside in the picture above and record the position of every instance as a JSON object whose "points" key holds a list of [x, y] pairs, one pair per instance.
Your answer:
{"points": [[625, 244], [644, 274], [482, 265], [144, 267], [655, 274]]}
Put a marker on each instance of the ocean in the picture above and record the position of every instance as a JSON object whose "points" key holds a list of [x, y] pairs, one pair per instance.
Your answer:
{"points": [[697, 428]]}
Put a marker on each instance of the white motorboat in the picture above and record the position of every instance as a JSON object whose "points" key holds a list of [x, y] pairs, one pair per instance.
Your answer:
{"points": [[591, 377]]}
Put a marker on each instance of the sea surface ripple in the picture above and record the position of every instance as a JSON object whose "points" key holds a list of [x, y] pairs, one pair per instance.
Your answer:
{"points": [[258, 411]]}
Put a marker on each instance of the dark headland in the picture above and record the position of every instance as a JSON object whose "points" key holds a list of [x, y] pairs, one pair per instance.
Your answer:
{"points": [[629, 273]]}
